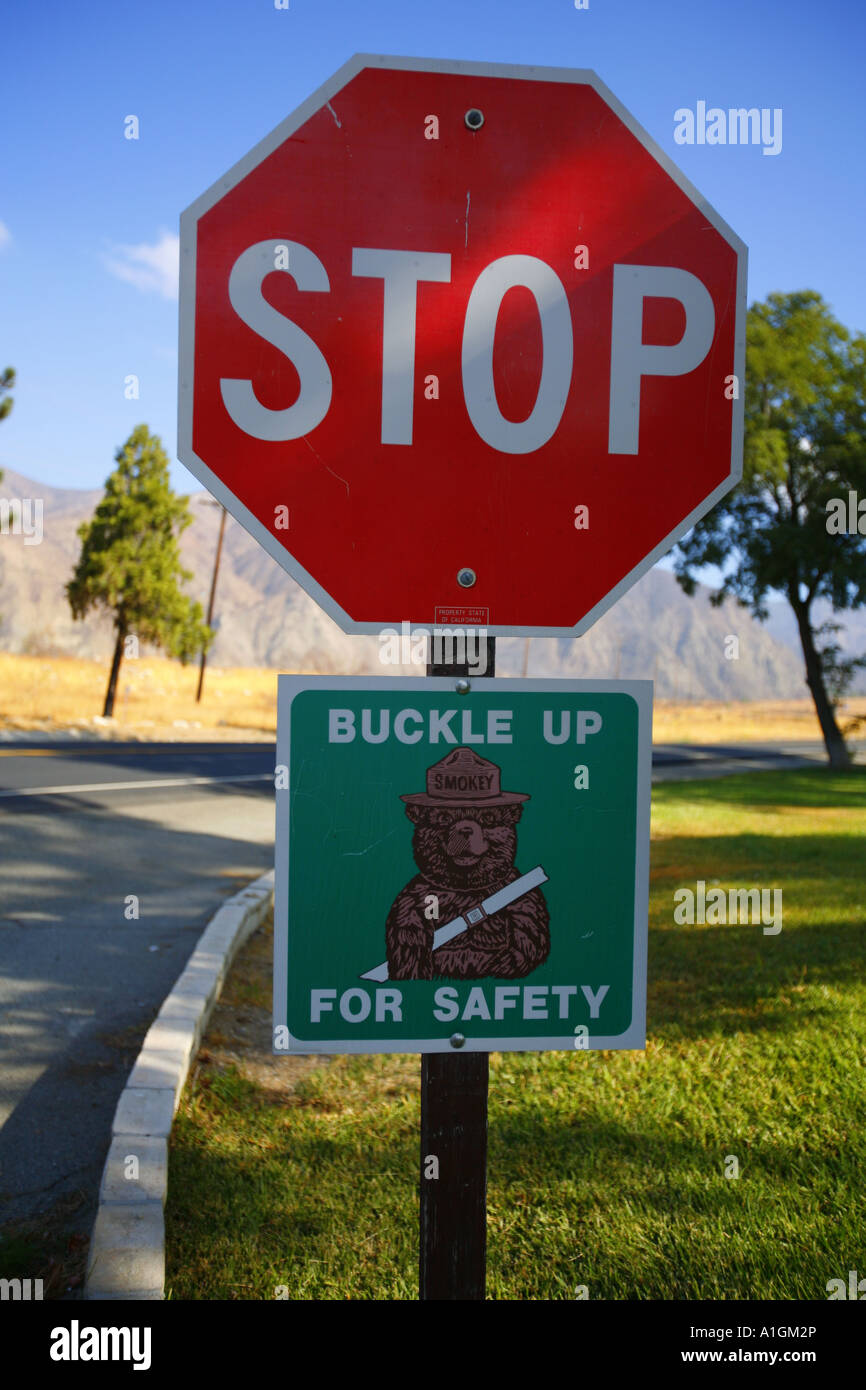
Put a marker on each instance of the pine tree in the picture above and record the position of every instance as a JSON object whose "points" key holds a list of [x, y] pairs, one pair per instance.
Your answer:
{"points": [[130, 559], [7, 381]]}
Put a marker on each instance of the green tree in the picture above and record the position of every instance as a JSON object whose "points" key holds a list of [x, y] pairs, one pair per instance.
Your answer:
{"points": [[7, 381], [130, 559], [805, 409]]}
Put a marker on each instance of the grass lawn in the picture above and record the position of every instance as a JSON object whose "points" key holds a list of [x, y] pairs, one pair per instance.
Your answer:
{"points": [[605, 1168]]}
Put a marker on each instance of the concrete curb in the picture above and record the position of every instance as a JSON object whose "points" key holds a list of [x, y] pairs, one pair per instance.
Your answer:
{"points": [[127, 1249]]}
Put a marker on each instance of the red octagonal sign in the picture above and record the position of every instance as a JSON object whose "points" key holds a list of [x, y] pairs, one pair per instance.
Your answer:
{"points": [[459, 342]]}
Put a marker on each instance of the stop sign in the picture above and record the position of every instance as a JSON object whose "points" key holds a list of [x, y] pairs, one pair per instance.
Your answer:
{"points": [[459, 342]]}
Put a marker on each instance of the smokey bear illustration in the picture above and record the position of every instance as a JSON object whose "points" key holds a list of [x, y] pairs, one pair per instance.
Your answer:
{"points": [[465, 843]]}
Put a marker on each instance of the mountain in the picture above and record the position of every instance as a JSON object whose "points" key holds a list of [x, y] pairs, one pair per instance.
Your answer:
{"points": [[265, 619]]}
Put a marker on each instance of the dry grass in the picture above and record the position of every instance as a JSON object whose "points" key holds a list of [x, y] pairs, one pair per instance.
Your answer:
{"points": [[743, 721], [156, 700], [240, 1031]]}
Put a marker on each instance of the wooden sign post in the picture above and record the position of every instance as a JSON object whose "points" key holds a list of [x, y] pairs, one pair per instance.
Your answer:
{"points": [[453, 1249], [452, 1256]]}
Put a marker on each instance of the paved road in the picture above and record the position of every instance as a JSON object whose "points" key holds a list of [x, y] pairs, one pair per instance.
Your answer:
{"points": [[684, 761], [82, 829], [85, 827]]}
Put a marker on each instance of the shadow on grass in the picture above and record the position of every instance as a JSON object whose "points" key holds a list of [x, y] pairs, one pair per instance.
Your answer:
{"points": [[643, 1212], [325, 1216], [650, 1160], [822, 787], [721, 978], [706, 981]]}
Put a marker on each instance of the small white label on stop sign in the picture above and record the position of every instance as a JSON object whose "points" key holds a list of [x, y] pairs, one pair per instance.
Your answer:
{"points": [[401, 272]]}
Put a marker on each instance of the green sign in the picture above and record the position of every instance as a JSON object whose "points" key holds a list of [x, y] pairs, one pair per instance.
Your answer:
{"points": [[461, 870]]}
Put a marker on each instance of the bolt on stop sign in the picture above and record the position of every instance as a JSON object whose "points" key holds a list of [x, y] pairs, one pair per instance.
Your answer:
{"points": [[458, 341]]}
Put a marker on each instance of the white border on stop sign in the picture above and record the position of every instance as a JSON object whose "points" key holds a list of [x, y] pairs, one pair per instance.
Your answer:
{"points": [[186, 344], [634, 1037]]}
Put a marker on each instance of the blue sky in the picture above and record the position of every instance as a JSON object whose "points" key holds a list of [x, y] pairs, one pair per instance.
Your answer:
{"points": [[88, 219]]}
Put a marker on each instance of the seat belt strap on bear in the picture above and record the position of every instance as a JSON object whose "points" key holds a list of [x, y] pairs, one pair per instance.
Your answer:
{"points": [[501, 898]]}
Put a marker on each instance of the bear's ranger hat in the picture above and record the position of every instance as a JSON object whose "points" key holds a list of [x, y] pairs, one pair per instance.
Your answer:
{"points": [[462, 778]]}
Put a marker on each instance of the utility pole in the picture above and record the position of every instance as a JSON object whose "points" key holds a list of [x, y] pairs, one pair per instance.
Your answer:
{"points": [[213, 584]]}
